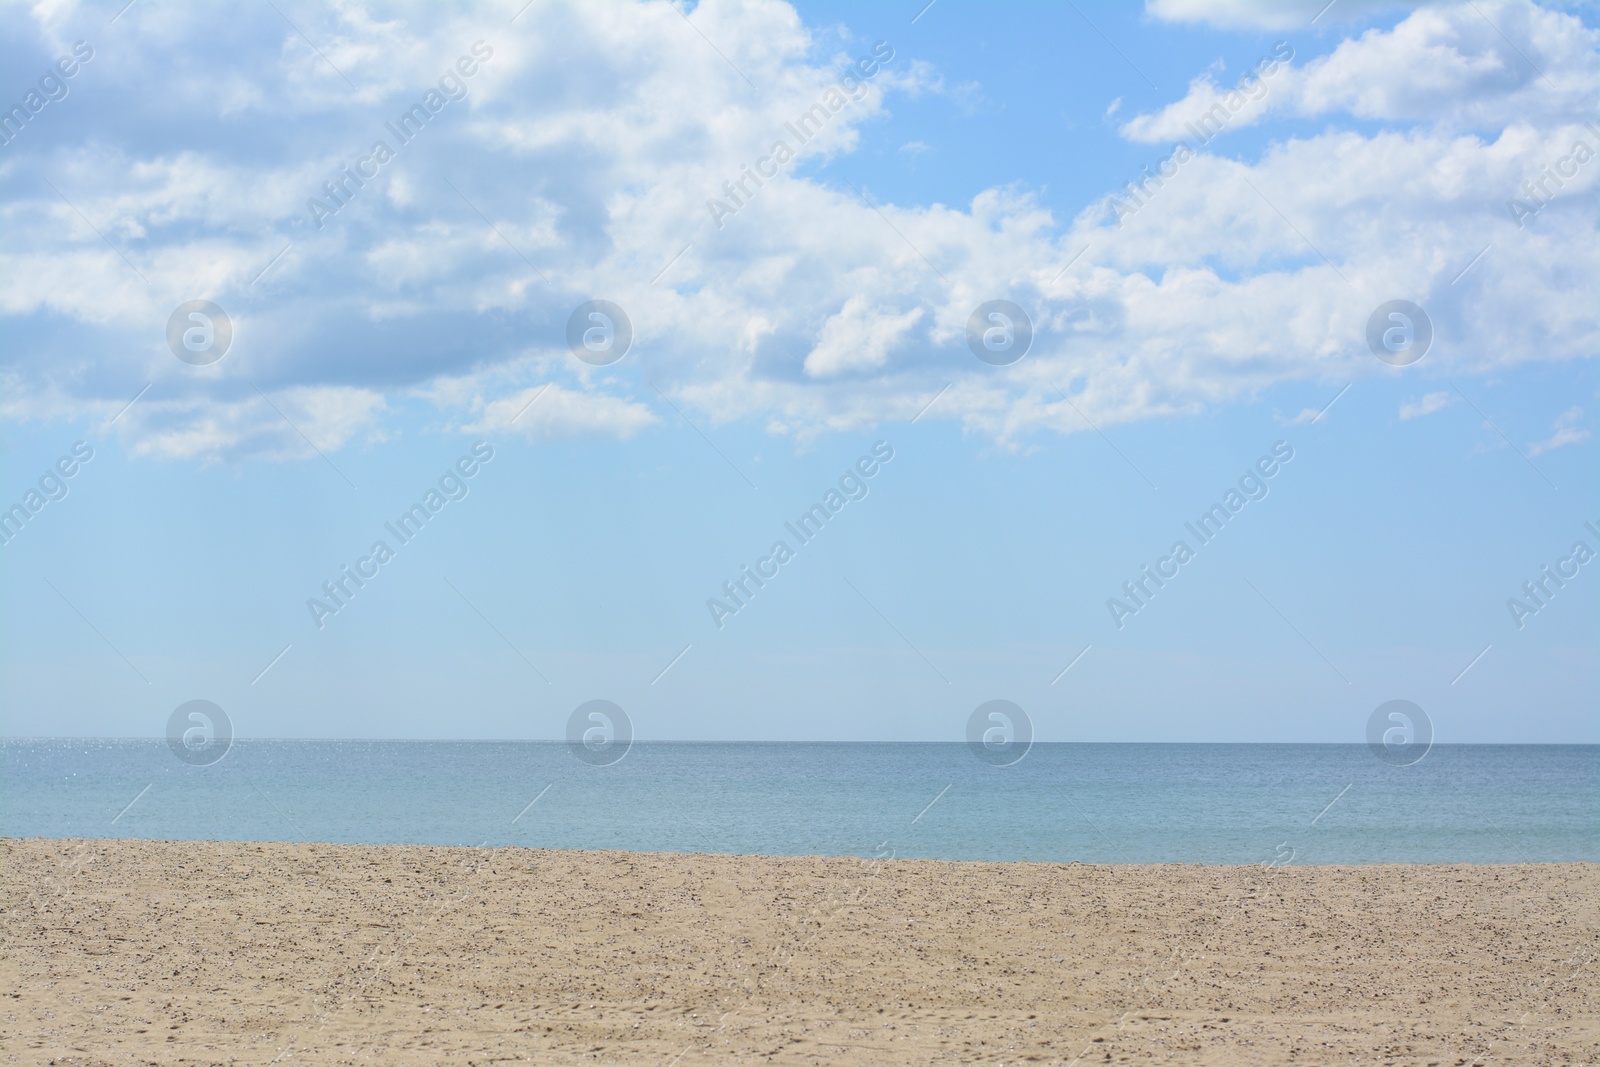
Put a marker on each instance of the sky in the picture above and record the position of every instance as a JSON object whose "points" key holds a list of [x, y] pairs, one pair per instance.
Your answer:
{"points": [[1007, 298]]}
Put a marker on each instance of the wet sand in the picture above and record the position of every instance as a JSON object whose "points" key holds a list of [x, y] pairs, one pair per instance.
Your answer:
{"points": [[149, 952]]}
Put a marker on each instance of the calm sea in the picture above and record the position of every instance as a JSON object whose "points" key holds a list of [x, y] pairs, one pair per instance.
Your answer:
{"points": [[1094, 803]]}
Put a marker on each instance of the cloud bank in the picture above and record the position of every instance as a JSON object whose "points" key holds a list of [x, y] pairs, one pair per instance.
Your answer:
{"points": [[577, 160]]}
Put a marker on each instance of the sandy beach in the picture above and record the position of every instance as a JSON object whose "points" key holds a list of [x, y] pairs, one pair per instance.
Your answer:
{"points": [[149, 952]]}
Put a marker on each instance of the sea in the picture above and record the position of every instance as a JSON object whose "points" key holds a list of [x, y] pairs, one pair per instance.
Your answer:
{"points": [[1272, 804]]}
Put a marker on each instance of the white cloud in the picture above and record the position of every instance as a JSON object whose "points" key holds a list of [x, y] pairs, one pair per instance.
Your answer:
{"points": [[859, 337], [1463, 67], [1209, 109], [1427, 405], [299, 423], [549, 411], [1266, 14], [1566, 432], [580, 164]]}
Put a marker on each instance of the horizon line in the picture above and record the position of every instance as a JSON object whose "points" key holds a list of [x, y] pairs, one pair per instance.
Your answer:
{"points": [[8, 739]]}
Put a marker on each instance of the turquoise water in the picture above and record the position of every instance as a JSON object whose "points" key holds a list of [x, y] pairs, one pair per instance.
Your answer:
{"points": [[1093, 803]]}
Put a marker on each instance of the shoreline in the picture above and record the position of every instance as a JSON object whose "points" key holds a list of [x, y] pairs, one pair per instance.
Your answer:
{"points": [[819, 856], [250, 952]]}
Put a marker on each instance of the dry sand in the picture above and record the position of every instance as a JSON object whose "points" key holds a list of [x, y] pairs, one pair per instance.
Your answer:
{"points": [[148, 952]]}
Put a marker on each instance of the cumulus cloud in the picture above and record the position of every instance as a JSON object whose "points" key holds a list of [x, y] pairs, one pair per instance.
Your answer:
{"points": [[1464, 67], [579, 160], [859, 337], [1210, 109]]}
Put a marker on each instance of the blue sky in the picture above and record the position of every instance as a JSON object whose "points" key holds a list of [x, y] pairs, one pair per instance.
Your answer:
{"points": [[1178, 339]]}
